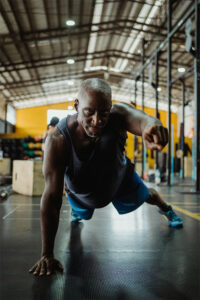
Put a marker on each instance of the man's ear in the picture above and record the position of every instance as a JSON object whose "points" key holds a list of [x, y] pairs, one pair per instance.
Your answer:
{"points": [[76, 104]]}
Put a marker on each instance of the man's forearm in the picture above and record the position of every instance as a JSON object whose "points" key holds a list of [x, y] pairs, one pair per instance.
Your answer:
{"points": [[135, 120], [147, 120], [139, 120], [49, 226]]}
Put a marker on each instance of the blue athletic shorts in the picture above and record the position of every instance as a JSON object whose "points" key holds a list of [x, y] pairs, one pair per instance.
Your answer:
{"points": [[129, 200]]}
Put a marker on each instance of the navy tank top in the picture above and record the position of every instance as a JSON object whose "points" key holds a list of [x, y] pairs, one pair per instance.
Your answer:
{"points": [[94, 182]]}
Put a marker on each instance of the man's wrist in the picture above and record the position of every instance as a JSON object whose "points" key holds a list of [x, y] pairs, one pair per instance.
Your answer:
{"points": [[153, 122], [47, 254]]}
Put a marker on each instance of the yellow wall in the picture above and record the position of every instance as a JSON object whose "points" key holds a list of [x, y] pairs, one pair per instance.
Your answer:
{"points": [[33, 121]]}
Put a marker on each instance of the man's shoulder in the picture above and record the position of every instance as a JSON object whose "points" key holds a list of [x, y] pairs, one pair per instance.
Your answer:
{"points": [[56, 151], [121, 108], [56, 136], [116, 113], [56, 140]]}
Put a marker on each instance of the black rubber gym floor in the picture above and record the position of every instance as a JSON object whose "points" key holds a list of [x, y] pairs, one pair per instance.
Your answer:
{"points": [[134, 256]]}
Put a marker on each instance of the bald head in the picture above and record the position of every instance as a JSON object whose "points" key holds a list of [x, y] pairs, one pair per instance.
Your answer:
{"points": [[93, 106], [94, 85]]}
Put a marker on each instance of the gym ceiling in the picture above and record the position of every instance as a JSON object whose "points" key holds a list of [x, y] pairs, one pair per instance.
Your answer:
{"points": [[47, 47]]}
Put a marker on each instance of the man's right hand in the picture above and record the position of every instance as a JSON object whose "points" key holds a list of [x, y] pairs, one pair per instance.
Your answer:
{"points": [[46, 266]]}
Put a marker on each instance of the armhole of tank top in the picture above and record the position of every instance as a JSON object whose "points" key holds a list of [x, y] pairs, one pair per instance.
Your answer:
{"points": [[64, 131]]}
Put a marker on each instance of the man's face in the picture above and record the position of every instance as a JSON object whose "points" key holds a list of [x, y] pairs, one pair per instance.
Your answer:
{"points": [[93, 112]]}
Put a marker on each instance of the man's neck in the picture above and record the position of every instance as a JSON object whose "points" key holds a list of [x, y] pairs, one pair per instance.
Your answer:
{"points": [[80, 134]]}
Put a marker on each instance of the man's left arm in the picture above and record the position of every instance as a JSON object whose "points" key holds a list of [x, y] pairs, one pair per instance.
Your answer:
{"points": [[154, 134]]}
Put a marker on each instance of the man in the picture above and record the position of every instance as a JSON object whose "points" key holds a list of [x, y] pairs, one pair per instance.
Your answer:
{"points": [[88, 150]]}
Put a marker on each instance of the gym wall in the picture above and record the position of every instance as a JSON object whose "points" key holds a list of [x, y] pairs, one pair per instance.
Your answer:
{"points": [[33, 121]]}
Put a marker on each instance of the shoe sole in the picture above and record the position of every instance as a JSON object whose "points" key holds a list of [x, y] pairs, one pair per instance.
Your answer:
{"points": [[175, 225]]}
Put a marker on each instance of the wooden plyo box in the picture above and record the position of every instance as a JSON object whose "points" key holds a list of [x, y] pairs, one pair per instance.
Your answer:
{"points": [[27, 177], [5, 166], [188, 167]]}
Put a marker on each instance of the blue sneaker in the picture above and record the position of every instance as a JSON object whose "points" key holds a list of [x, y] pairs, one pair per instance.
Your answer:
{"points": [[75, 217], [173, 219]]}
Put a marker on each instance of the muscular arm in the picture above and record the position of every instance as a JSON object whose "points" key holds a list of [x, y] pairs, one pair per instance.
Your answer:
{"points": [[53, 169], [54, 165], [137, 122]]}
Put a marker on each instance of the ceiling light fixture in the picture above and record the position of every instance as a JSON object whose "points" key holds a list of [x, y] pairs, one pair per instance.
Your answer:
{"points": [[70, 82], [159, 89], [181, 70], [70, 23], [70, 61]]}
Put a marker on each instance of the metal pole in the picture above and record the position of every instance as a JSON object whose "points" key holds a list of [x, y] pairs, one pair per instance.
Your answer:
{"points": [[169, 92], [6, 124], [172, 156], [197, 93], [156, 96], [183, 126], [188, 75], [135, 100], [143, 43], [135, 137], [170, 34]]}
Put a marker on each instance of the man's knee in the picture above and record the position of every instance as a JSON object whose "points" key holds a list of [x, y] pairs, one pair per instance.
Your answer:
{"points": [[153, 193]]}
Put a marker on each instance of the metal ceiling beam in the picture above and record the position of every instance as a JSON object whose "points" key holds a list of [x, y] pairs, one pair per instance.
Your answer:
{"points": [[80, 23], [120, 25], [92, 12], [9, 26], [30, 19], [56, 92], [25, 45], [77, 75], [110, 52], [69, 12], [45, 62], [16, 41], [45, 65], [182, 76], [48, 24], [54, 78], [120, 10], [20, 28], [10, 91], [10, 73], [164, 43], [5, 53], [58, 7], [56, 35], [111, 22]]}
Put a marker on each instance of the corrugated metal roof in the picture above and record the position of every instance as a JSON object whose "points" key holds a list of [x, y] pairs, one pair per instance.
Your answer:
{"points": [[105, 42]]}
